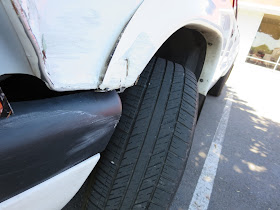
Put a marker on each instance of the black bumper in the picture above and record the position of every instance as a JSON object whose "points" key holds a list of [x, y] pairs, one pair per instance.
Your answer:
{"points": [[46, 137]]}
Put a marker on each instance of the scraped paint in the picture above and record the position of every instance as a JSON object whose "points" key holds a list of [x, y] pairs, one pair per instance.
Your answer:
{"points": [[74, 38]]}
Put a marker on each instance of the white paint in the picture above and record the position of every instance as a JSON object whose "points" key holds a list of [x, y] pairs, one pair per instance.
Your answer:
{"points": [[76, 37], [23, 37], [127, 69], [151, 26], [12, 56], [54, 193], [229, 51], [203, 190], [79, 37]]}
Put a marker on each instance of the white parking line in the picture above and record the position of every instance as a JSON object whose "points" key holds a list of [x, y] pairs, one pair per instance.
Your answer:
{"points": [[203, 190]]}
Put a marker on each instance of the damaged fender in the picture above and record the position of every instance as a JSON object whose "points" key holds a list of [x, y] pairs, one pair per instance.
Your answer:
{"points": [[146, 32]]}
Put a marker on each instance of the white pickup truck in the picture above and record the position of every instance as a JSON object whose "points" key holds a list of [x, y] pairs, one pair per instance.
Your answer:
{"points": [[120, 81]]}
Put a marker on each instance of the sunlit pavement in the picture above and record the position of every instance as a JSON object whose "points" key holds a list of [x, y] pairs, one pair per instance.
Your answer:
{"points": [[248, 174]]}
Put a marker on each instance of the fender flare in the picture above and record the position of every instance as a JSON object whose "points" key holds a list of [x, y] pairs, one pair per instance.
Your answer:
{"points": [[144, 35]]}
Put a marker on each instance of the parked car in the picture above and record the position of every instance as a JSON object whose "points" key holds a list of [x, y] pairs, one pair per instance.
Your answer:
{"points": [[105, 94]]}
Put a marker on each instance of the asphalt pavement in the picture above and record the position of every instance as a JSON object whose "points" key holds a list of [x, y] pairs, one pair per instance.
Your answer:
{"points": [[247, 175]]}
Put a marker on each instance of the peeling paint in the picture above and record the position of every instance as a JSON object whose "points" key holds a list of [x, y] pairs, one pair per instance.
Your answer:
{"points": [[15, 8], [44, 58]]}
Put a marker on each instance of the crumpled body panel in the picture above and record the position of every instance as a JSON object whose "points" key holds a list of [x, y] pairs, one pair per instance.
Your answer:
{"points": [[105, 45], [73, 39]]}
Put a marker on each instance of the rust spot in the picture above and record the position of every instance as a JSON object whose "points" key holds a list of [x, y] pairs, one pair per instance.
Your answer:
{"points": [[14, 6], [44, 56]]}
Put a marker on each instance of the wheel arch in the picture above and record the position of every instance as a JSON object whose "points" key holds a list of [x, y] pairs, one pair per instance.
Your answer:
{"points": [[132, 55], [196, 47]]}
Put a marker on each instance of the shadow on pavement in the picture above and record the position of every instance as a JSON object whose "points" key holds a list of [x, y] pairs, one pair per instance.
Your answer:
{"points": [[248, 176]]}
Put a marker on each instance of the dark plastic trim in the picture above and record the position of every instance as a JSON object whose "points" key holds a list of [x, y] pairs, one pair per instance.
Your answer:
{"points": [[46, 137]]}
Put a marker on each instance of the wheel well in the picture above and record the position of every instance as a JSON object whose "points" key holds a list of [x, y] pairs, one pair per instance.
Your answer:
{"points": [[23, 87], [186, 47]]}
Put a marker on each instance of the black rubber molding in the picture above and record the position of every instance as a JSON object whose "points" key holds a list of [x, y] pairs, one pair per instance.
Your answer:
{"points": [[46, 137]]}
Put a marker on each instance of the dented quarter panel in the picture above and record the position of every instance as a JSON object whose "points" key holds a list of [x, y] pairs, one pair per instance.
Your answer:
{"points": [[75, 41]]}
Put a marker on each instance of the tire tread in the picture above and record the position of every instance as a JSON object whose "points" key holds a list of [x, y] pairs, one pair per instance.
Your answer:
{"points": [[144, 161]]}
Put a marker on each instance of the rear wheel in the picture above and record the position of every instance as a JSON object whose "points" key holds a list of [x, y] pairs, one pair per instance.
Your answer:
{"points": [[143, 164]]}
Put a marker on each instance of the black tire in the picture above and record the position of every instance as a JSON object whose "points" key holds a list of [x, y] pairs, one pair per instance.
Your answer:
{"points": [[143, 164], [216, 90]]}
